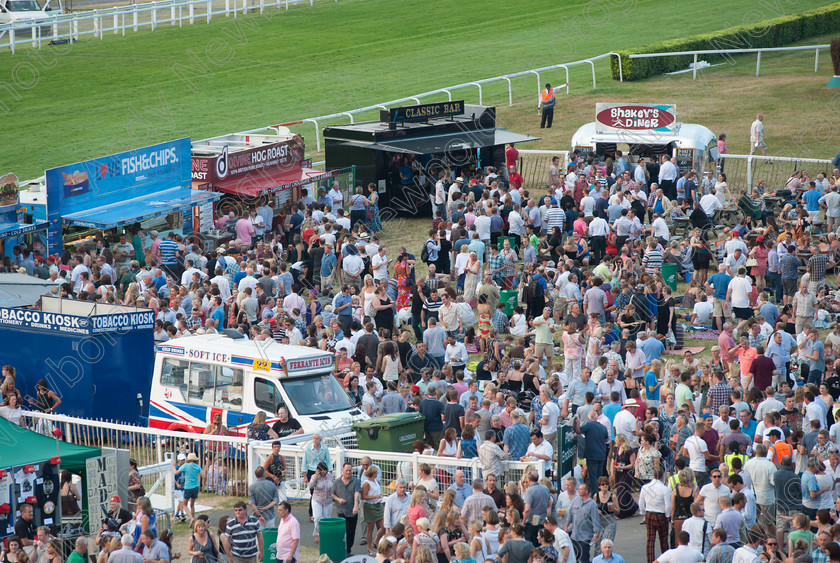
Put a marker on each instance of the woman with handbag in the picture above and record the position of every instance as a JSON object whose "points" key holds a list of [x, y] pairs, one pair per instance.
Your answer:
{"points": [[607, 503]]}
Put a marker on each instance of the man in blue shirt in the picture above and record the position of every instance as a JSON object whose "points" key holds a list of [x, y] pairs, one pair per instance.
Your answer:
{"points": [[812, 201], [344, 308], [720, 283], [611, 409], [651, 347], [748, 425], [815, 353], [328, 265], [462, 490], [517, 436]]}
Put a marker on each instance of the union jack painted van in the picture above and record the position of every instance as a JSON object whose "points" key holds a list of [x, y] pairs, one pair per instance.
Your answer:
{"points": [[197, 377]]}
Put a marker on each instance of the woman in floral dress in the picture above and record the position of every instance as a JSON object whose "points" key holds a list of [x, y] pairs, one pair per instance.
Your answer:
{"points": [[401, 269], [374, 223]]}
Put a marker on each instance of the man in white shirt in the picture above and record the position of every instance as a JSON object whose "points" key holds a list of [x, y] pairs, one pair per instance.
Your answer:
{"points": [[710, 204], [336, 196], [699, 530], [353, 265], [738, 295], [379, 264], [682, 553], [221, 281], [832, 202], [625, 421], [659, 228], [757, 135], [549, 417], [735, 242], [598, 231], [540, 449], [482, 226], [342, 221], [668, 177], [248, 281], [639, 175], [456, 354], [702, 312], [655, 505], [711, 492], [587, 204], [697, 451]]}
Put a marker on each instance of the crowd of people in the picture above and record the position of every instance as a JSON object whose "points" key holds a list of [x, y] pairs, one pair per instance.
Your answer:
{"points": [[537, 308]]}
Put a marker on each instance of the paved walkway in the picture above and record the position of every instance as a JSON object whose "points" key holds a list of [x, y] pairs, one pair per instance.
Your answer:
{"points": [[630, 536]]}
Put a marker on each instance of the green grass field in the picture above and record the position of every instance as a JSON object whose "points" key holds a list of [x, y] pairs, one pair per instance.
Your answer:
{"points": [[69, 103]]}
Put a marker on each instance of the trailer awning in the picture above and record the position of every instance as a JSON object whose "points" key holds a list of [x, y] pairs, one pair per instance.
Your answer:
{"points": [[141, 208], [20, 290], [258, 184], [16, 229], [450, 142]]}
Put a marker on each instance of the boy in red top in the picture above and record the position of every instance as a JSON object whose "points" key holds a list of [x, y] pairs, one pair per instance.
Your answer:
{"points": [[514, 177]]}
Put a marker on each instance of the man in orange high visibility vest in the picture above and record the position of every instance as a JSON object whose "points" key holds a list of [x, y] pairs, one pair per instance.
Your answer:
{"points": [[547, 106]]}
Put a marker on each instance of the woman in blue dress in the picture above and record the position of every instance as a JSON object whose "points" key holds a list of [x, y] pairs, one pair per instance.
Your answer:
{"points": [[374, 224]]}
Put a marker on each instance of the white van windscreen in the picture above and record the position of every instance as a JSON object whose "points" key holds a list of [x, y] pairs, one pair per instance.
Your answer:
{"points": [[316, 394]]}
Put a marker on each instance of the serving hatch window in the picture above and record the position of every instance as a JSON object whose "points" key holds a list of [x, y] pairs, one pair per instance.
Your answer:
{"points": [[316, 394], [203, 384]]}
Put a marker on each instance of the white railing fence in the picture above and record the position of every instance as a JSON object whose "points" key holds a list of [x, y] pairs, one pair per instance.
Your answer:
{"points": [[222, 457], [119, 19], [745, 171], [393, 466], [536, 72], [726, 52]]}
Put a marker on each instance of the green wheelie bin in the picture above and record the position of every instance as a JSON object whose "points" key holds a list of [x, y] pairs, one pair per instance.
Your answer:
{"points": [[390, 432]]}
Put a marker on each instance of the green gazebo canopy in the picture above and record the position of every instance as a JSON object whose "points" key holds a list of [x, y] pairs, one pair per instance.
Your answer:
{"points": [[19, 446]]}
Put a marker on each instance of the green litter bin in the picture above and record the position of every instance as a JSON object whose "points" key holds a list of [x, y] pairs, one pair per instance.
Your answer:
{"points": [[510, 297], [669, 272], [390, 432], [269, 545], [333, 540]]}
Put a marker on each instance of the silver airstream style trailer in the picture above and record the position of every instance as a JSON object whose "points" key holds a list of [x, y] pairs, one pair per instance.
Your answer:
{"points": [[647, 130]]}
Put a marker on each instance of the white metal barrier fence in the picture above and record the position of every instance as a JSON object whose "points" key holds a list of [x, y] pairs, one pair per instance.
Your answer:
{"points": [[392, 465], [743, 172], [117, 20], [725, 52], [448, 91], [222, 457]]}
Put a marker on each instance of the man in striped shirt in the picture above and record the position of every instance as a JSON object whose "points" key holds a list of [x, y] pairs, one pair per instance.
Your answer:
{"points": [[554, 217], [242, 538], [169, 256], [652, 262]]}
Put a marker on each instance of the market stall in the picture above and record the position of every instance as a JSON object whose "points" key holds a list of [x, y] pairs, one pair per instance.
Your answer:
{"points": [[16, 227], [30, 469], [147, 188], [403, 151], [249, 170]]}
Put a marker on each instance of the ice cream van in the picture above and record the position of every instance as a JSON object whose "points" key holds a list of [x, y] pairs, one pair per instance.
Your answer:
{"points": [[199, 376]]}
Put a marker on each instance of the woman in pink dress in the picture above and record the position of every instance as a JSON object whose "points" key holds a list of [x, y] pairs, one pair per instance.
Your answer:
{"points": [[759, 252]]}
